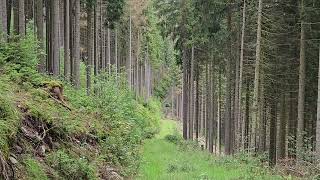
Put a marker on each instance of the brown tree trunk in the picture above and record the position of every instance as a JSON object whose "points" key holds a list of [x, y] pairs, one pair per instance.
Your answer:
{"points": [[39, 20], [302, 81], [318, 113], [9, 12], [256, 116], [228, 147], [130, 52], [197, 102], [3, 16], [90, 36], [247, 117], [208, 103], [212, 108], [66, 40], [273, 135], [55, 50], [76, 45], [19, 17], [191, 96], [282, 128]]}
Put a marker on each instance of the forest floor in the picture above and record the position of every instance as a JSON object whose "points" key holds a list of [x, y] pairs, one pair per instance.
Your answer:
{"points": [[164, 160]]}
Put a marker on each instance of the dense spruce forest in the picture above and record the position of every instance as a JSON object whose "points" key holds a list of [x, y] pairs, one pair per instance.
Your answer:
{"points": [[159, 89]]}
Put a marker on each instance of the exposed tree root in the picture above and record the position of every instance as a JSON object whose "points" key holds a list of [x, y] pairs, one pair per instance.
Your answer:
{"points": [[6, 171]]}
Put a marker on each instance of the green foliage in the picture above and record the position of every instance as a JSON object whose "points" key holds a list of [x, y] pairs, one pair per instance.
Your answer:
{"points": [[173, 138], [9, 117], [115, 121], [114, 11], [128, 120], [162, 55], [166, 160], [72, 167], [34, 169], [155, 41]]}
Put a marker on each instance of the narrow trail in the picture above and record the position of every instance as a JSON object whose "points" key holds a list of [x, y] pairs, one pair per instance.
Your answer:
{"points": [[163, 160]]}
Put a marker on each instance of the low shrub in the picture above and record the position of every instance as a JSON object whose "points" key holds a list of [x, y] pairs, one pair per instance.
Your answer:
{"points": [[34, 169], [71, 167]]}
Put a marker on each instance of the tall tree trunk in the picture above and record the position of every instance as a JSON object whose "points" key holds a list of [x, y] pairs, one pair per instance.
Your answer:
{"points": [[247, 117], [66, 39], [208, 109], [219, 110], [130, 52], [109, 50], [282, 128], [90, 39], [228, 119], [9, 13], [292, 126], [19, 17], [55, 50], [238, 106], [3, 16], [302, 81], [197, 102], [48, 35], [191, 96], [318, 113], [76, 49], [116, 50], [273, 134], [39, 20], [260, 126], [256, 116], [212, 109]]}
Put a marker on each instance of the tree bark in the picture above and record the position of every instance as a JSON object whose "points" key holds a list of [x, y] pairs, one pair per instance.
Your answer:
{"points": [[282, 128], [273, 135], [9, 13], [130, 52], [191, 96], [3, 16], [39, 20], [90, 36], [19, 17], [212, 109], [228, 119], [66, 39], [247, 117], [255, 114], [197, 103], [318, 113], [55, 48], [239, 92], [76, 49], [302, 81], [109, 50], [208, 107]]}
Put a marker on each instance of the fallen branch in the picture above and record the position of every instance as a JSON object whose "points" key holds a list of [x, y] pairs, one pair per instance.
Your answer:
{"points": [[61, 103]]}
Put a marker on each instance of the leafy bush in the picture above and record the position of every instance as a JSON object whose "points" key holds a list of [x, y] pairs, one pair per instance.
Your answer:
{"points": [[173, 138], [71, 167]]}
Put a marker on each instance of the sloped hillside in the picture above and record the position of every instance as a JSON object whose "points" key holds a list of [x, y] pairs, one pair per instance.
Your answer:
{"points": [[48, 130]]}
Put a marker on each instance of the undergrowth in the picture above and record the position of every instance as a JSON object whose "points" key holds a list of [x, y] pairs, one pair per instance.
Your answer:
{"points": [[106, 128]]}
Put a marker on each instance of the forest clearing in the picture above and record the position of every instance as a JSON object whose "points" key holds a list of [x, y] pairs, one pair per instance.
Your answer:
{"points": [[159, 89]]}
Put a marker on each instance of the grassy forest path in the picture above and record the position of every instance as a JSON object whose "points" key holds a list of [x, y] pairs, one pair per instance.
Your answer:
{"points": [[164, 160]]}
